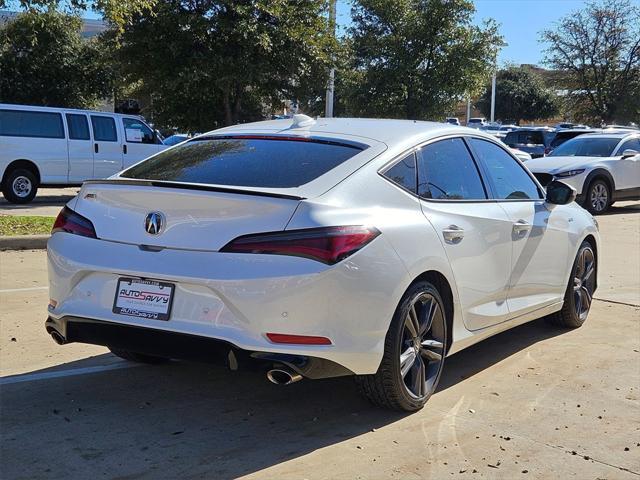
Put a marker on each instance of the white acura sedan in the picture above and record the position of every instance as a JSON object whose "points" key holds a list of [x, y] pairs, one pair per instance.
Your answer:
{"points": [[320, 248]]}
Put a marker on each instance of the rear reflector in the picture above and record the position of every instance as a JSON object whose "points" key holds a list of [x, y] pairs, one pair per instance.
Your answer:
{"points": [[326, 244], [71, 222], [298, 339]]}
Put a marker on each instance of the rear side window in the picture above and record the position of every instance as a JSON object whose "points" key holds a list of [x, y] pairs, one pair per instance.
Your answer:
{"points": [[403, 173], [104, 129], [446, 171], [22, 123], [245, 161], [508, 178], [78, 127]]}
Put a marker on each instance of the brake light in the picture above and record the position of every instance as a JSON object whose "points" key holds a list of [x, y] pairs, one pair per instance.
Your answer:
{"points": [[327, 244], [72, 222]]}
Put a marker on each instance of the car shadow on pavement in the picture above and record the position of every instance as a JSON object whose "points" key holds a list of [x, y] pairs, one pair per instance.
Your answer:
{"points": [[39, 201], [185, 420]]}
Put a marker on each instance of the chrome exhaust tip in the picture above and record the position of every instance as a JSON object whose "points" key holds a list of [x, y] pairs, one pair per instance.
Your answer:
{"points": [[59, 339], [281, 376]]}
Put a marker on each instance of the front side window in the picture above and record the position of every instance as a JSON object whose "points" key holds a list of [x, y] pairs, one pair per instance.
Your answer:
{"points": [[246, 161], [137, 132], [446, 171], [586, 147], [24, 123], [78, 126], [508, 178], [404, 173], [104, 129]]}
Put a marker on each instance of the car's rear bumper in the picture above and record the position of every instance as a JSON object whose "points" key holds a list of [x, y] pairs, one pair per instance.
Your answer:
{"points": [[183, 346], [239, 298]]}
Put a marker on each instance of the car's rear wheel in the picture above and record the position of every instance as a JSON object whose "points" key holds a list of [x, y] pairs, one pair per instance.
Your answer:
{"points": [[137, 357], [579, 294], [415, 348], [20, 186], [598, 198]]}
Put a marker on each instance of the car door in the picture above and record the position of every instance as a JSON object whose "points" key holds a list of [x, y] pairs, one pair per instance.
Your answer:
{"points": [[139, 141], [473, 230], [626, 171], [540, 235], [80, 148], [107, 151]]}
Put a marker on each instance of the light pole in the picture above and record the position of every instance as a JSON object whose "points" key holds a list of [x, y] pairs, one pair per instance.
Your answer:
{"points": [[493, 96], [328, 107]]}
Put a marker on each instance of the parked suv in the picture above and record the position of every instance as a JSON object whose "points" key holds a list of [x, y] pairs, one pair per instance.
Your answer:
{"points": [[602, 167], [530, 140], [42, 146]]}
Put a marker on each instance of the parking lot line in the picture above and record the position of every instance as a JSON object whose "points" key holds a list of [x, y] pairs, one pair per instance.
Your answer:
{"points": [[25, 289], [32, 377]]}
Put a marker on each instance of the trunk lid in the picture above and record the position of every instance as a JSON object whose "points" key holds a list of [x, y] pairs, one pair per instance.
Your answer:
{"points": [[194, 218]]}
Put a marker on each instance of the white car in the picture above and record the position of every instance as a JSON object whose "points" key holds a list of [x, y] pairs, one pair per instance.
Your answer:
{"points": [[42, 146], [602, 167], [320, 248]]}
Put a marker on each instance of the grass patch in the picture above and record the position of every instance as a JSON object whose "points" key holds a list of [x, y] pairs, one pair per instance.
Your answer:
{"points": [[25, 225]]}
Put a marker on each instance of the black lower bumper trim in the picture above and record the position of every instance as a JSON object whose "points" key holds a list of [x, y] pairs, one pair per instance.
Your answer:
{"points": [[184, 346]]}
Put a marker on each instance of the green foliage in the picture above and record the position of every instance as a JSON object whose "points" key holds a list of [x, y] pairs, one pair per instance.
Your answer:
{"points": [[45, 61], [598, 51], [416, 58], [212, 63], [520, 95]]}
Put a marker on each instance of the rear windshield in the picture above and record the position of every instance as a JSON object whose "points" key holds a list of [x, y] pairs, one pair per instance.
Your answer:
{"points": [[587, 147], [248, 162]]}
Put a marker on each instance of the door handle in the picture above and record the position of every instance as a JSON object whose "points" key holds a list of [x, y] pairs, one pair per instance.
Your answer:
{"points": [[124, 148], [95, 147], [453, 234], [521, 227]]}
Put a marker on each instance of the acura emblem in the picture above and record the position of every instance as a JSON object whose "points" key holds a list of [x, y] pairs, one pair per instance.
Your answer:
{"points": [[154, 223]]}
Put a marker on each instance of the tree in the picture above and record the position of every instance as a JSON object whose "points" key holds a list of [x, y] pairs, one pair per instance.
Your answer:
{"points": [[598, 51], [416, 58], [520, 95], [211, 63], [45, 61]]}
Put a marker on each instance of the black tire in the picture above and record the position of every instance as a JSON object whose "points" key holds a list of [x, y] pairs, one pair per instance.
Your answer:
{"points": [[580, 289], [389, 387], [598, 197], [19, 186], [137, 357]]}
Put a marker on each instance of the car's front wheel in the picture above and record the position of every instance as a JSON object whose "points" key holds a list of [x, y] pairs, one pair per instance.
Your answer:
{"points": [[579, 294], [598, 198], [415, 348]]}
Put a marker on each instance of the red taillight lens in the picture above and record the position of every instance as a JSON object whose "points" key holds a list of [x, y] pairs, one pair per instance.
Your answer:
{"points": [[327, 245], [72, 222]]}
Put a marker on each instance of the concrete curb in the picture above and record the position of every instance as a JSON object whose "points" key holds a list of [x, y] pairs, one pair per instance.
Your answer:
{"points": [[23, 242]]}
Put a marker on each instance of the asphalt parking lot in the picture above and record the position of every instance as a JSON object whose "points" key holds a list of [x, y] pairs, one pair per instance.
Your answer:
{"points": [[533, 402]]}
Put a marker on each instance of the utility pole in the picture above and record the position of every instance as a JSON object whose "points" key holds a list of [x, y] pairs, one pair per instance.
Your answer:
{"points": [[328, 108], [493, 96], [468, 109]]}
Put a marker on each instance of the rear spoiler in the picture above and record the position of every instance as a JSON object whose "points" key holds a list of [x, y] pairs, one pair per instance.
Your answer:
{"points": [[191, 186]]}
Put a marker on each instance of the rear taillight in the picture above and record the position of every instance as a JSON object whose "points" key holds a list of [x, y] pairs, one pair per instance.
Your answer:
{"points": [[327, 245], [72, 222]]}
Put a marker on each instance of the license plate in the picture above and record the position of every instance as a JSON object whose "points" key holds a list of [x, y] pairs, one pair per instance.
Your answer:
{"points": [[136, 297]]}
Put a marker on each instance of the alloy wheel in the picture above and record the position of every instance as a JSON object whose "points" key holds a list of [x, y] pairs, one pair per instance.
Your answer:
{"points": [[423, 345], [599, 197], [584, 282], [21, 186]]}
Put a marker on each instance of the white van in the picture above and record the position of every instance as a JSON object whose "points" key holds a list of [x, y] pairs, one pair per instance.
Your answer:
{"points": [[42, 146]]}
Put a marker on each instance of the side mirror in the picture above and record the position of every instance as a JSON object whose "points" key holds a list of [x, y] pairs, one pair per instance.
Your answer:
{"points": [[629, 153], [559, 193]]}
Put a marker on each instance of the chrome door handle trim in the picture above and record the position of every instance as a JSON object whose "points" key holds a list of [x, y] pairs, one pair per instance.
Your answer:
{"points": [[453, 234], [521, 227]]}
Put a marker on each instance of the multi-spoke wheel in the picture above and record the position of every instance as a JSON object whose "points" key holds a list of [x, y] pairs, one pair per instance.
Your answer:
{"points": [[415, 348], [598, 198], [579, 295]]}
